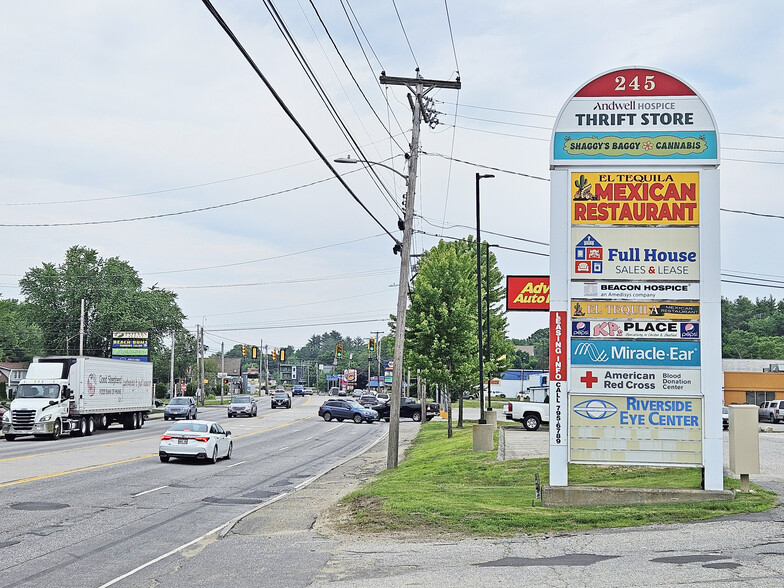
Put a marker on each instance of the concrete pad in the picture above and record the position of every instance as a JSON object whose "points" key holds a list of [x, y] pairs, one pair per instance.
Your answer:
{"points": [[612, 496]]}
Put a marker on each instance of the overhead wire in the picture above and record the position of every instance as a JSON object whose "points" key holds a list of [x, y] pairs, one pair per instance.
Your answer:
{"points": [[324, 97], [291, 116], [405, 34]]}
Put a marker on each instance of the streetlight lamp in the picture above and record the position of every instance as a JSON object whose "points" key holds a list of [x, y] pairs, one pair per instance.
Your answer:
{"points": [[402, 294], [482, 419]]}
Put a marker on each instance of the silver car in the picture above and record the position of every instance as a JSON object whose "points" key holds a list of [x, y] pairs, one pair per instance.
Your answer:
{"points": [[243, 405], [182, 407], [196, 439]]}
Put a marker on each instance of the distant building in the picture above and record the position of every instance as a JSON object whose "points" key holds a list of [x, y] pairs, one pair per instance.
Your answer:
{"points": [[11, 373], [752, 381]]}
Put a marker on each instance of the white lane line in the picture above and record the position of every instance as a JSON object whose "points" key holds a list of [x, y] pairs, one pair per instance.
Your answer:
{"points": [[224, 529], [148, 491], [282, 448], [234, 465], [309, 438]]}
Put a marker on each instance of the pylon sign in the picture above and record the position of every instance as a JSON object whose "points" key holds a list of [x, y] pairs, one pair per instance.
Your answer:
{"points": [[635, 211]]}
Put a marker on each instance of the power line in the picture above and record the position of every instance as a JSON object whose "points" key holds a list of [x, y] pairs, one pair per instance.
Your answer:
{"points": [[451, 36], [291, 116], [400, 20], [343, 276], [324, 97], [179, 213]]}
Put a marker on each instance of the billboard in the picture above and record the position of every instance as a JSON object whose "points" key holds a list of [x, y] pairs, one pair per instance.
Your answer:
{"points": [[635, 353], [618, 329], [673, 381], [642, 430], [621, 309], [131, 345], [528, 292], [635, 198], [645, 253], [610, 289]]}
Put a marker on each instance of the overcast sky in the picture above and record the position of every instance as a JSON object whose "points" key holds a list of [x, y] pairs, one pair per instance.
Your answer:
{"points": [[145, 110]]}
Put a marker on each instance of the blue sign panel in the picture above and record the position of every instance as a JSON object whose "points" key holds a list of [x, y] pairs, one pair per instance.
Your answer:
{"points": [[636, 353]]}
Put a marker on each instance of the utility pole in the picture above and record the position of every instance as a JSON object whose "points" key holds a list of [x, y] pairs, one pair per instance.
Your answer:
{"points": [[419, 87], [171, 370], [201, 373], [223, 371], [81, 329], [378, 360]]}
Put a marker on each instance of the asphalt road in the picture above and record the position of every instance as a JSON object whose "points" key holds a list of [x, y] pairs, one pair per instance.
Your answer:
{"points": [[82, 511]]}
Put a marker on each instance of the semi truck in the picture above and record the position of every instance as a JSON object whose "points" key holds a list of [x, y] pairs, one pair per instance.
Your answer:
{"points": [[77, 395]]}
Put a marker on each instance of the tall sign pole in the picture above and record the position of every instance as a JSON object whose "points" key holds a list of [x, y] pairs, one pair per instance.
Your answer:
{"points": [[419, 87], [635, 313]]}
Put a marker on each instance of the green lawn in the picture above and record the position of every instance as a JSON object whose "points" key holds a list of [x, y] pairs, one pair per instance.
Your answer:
{"points": [[443, 486]]}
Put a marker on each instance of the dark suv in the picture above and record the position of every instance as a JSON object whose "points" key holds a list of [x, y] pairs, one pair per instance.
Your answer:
{"points": [[280, 399], [340, 409]]}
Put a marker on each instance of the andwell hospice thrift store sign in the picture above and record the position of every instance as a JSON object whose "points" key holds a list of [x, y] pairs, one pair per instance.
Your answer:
{"points": [[635, 264]]}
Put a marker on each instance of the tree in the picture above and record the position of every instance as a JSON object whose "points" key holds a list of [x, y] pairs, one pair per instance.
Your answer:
{"points": [[114, 300], [20, 337], [441, 335]]}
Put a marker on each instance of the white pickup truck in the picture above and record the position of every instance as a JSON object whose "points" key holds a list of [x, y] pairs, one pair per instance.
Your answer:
{"points": [[531, 413]]}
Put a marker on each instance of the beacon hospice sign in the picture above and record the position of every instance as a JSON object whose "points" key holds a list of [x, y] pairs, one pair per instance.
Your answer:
{"points": [[636, 290], [637, 114]]}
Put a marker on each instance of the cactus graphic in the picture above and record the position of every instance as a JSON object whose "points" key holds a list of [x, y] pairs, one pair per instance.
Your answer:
{"points": [[583, 189]]}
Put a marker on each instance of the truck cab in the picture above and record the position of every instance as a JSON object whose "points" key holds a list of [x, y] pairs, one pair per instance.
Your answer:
{"points": [[40, 404]]}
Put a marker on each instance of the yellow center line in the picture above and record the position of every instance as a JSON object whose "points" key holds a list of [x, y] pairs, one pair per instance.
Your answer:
{"points": [[72, 449], [105, 465], [56, 474]]}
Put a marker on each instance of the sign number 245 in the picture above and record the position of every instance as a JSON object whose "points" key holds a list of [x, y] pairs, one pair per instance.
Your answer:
{"points": [[634, 84]]}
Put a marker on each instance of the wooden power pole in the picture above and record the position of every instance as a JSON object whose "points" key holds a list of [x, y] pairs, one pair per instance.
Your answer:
{"points": [[419, 88]]}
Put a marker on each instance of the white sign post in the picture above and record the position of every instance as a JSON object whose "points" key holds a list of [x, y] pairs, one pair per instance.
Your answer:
{"points": [[635, 278]]}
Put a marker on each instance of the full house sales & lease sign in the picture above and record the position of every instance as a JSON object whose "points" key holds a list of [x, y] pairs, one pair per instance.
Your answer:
{"points": [[635, 277]]}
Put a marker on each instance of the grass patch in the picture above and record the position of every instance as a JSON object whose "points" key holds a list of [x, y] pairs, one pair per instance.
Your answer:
{"points": [[443, 486]]}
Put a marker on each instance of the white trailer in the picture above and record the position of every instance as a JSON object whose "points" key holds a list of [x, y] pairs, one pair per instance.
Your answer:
{"points": [[79, 394]]}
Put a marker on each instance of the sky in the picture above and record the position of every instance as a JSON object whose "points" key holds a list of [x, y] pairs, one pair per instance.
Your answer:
{"points": [[136, 128]]}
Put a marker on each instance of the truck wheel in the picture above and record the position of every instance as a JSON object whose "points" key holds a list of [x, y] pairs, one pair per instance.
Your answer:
{"points": [[81, 429], [139, 420], [416, 417], [531, 422], [103, 422], [127, 421], [10, 437], [89, 426], [56, 430]]}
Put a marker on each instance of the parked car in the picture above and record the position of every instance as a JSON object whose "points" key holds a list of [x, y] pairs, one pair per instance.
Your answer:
{"points": [[181, 407], [298, 390], [342, 393], [280, 399], [368, 400], [409, 409], [382, 396], [772, 410], [196, 439], [470, 395], [340, 410], [243, 406], [725, 417]]}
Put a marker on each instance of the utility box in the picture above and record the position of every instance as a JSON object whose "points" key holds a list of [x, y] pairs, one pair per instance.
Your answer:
{"points": [[744, 441]]}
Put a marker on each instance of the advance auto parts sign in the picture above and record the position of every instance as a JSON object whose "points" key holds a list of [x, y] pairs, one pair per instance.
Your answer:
{"points": [[632, 198], [635, 115], [635, 429]]}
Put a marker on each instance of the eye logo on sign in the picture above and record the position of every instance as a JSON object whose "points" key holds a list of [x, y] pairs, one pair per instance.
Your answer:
{"points": [[596, 409], [588, 256], [592, 351]]}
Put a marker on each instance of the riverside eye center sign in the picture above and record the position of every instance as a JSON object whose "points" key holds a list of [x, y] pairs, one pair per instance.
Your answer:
{"points": [[635, 263]]}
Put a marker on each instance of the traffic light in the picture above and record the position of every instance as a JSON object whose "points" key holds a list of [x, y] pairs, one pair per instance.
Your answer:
{"points": [[244, 351], [372, 345], [282, 354], [339, 350], [274, 355], [254, 352], [225, 380]]}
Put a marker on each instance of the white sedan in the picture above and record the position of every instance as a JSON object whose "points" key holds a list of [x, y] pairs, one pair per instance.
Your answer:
{"points": [[199, 439]]}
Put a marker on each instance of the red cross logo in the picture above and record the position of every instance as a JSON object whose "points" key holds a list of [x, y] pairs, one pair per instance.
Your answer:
{"points": [[589, 379]]}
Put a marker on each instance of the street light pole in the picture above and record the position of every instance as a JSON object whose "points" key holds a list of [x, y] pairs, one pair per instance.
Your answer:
{"points": [[487, 297], [482, 419]]}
